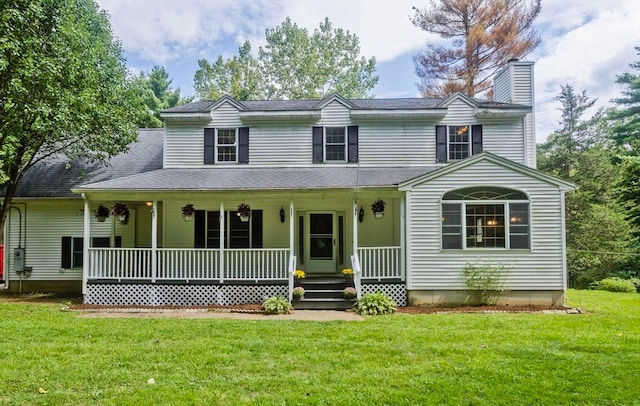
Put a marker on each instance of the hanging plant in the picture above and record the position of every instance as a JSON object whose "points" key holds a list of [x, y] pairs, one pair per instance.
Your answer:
{"points": [[122, 212], [244, 211], [101, 213], [188, 211], [378, 208]]}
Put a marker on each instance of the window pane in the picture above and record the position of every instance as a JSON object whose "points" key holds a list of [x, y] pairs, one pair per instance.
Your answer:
{"points": [[213, 229], [451, 226], [226, 137], [335, 144], [239, 232], [458, 142], [485, 226], [226, 154], [519, 225]]}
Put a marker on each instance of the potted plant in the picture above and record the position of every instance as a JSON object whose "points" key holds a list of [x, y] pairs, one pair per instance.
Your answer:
{"points": [[188, 211], [347, 273], [378, 208], [297, 275], [101, 213], [349, 293], [122, 212], [244, 211], [298, 292]]}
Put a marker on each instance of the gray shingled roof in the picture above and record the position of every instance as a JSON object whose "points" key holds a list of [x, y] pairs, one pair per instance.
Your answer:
{"points": [[55, 177], [415, 103], [247, 178]]}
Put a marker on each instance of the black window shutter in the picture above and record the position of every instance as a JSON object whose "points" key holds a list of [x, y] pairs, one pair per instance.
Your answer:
{"points": [[66, 252], [476, 139], [209, 145], [256, 228], [199, 229], [352, 131], [317, 145], [243, 145], [441, 143]]}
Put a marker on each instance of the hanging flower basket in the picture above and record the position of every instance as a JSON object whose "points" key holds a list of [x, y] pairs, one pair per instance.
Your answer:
{"points": [[188, 211], [121, 211], [101, 213], [378, 208], [244, 212]]}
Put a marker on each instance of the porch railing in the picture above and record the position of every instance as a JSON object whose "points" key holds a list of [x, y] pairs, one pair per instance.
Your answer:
{"points": [[188, 264], [380, 262]]}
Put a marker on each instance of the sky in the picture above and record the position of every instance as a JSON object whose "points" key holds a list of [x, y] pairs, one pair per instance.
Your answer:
{"points": [[585, 43]]}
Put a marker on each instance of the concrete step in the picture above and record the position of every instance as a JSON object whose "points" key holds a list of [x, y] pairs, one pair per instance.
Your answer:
{"points": [[323, 304]]}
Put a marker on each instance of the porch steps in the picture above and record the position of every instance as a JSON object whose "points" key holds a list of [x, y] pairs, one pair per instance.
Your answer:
{"points": [[323, 293]]}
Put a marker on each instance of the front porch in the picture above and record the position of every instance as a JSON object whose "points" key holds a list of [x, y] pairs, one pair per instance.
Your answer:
{"points": [[324, 238]]}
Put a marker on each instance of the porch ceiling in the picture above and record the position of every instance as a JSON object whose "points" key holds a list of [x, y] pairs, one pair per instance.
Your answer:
{"points": [[198, 179]]}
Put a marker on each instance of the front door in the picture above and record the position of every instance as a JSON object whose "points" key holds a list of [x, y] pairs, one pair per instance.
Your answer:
{"points": [[321, 242]]}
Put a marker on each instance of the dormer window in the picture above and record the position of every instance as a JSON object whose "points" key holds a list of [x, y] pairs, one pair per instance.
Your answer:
{"points": [[335, 144], [456, 142], [226, 145]]}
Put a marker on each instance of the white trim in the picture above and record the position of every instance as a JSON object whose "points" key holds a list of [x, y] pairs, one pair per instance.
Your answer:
{"points": [[407, 204], [291, 229], [355, 227], [403, 239], [222, 216], [372, 114], [324, 144], [564, 241], [154, 241], [216, 146], [85, 244]]}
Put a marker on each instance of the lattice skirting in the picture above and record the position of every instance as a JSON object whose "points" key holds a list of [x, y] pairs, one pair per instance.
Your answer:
{"points": [[179, 295], [397, 291]]}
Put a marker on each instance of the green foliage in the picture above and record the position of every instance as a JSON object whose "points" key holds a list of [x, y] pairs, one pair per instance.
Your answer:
{"points": [[599, 238], [636, 283], [63, 87], [615, 285], [292, 65], [276, 305], [239, 77], [485, 279], [154, 93], [627, 117], [373, 304]]}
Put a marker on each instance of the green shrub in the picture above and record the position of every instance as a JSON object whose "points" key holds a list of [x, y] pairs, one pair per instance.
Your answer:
{"points": [[615, 285], [375, 303], [636, 283], [276, 305], [486, 280]]}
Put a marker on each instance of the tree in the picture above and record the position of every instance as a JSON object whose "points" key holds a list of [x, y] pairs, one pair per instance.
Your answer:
{"points": [[598, 236], [154, 93], [560, 152], [239, 77], [297, 65], [63, 87], [482, 36], [627, 119], [293, 65]]}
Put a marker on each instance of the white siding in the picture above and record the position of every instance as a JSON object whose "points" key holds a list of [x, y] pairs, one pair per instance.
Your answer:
{"points": [[46, 223], [380, 144], [434, 269]]}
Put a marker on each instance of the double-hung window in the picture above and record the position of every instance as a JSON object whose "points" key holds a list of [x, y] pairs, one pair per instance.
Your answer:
{"points": [[455, 142], [236, 234], [478, 218], [335, 144], [226, 145]]}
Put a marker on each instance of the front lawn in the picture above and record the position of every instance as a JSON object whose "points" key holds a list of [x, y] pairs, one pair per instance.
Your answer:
{"points": [[546, 359]]}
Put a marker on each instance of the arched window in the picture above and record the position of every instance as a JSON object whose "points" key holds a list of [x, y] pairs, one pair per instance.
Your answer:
{"points": [[485, 217]]}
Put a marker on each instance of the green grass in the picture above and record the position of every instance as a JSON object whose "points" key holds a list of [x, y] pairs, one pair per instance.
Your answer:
{"points": [[460, 359]]}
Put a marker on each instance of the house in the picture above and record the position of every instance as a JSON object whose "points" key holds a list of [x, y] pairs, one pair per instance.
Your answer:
{"points": [[457, 177]]}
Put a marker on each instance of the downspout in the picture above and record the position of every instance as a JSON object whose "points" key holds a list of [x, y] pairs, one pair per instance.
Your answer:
{"points": [[564, 243], [221, 259], [407, 246]]}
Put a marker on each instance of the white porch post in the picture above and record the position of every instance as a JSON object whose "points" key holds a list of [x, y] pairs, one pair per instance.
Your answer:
{"points": [[154, 241], [85, 243], [406, 247], [221, 259], [403, 240], [291, 229], [355, 228]]}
